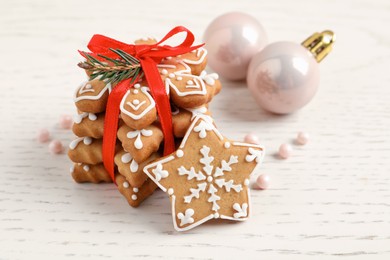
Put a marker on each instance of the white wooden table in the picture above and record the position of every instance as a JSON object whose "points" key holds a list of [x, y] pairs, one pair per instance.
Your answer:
{"points": [[331, 199]]}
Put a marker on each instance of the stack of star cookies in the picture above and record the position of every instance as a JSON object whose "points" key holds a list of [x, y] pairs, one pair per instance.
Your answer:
{"points": [[140, 138]]}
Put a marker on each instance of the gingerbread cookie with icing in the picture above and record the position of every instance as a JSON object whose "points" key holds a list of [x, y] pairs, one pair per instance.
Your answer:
{"points": [[138, 108], [196, 60], [140, 143], [87, 150], [186, 90], [88, 124], [207, 177], [182, 118], [89, 173], [134, 195], [130, 169], [92, 96]]}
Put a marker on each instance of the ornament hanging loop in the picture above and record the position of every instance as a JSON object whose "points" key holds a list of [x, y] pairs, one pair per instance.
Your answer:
{"points": [[320, 44]]}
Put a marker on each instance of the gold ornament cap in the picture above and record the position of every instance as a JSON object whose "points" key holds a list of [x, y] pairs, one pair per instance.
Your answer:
{"points": [[320, 44]]}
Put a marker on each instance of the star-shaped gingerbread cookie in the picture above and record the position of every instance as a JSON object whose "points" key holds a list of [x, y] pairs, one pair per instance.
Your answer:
{"points": [[207, 177]]}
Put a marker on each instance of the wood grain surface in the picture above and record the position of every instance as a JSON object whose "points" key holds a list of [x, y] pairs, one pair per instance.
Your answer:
{"points": [[330, 200]]}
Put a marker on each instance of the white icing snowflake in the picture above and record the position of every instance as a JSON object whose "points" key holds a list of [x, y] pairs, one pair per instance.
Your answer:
{"points": [[214, 178]]}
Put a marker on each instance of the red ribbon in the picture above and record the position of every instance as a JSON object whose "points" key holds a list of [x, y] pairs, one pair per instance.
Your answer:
{"points": [[149, 56]]}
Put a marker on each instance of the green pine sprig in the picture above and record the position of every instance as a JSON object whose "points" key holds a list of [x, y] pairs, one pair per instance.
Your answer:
{"points": [[113, 70]]}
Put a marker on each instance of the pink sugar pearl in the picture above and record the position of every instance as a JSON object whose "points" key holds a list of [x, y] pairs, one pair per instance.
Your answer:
{"points": [[251, 138], [66, 122], [43, 135], [285, 151], [56, 147], [302, 138], [263, 182]]}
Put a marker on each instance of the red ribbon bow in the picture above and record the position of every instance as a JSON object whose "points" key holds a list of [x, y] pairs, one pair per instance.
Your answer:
{"points": [[149, 56]]}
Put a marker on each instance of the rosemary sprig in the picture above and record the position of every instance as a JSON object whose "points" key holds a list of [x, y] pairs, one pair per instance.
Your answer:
{"points": [[113, 70]]}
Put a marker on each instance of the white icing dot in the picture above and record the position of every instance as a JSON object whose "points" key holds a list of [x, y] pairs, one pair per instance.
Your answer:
{"points": [[179, 153], [88, 86], [87, 140], [137, 85], [171, 75], [126, 158], [179, 78], [125, 185], [77, 118], [135, 101], [170, 191], [227, 145], [210, 81], [169, 58], [134, 197], [71, 169], [210, 179], [135, 91], [164, 72], [135, 189], [216, 215], [86, 168], [246, 182], [92, 116], [190, 82], [144, 39], [74, 143]]}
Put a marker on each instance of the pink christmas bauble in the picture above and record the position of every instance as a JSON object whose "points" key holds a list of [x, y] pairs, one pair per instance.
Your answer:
{"points": [[283, 77], [231, 41]]}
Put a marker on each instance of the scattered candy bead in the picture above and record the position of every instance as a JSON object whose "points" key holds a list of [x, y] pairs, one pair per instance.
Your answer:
{"points": [[56, 147], [302, 138], [43, 135], [285, 151], [263, 181], [251, 138], [66, 122]]}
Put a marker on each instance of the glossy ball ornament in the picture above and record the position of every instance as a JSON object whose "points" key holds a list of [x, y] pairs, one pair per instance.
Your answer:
{"points": [[284, 76], [231, 41]]}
